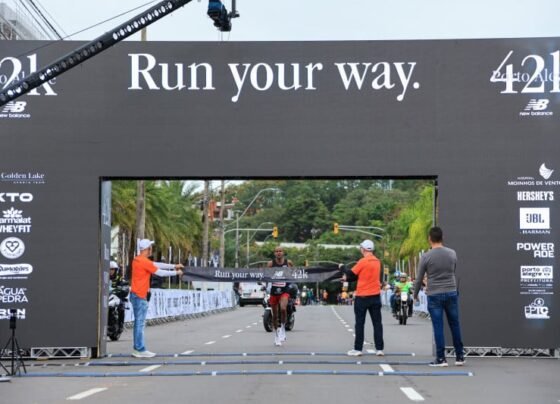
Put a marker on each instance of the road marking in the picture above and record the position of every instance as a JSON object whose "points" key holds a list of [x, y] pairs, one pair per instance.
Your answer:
{"points": [[210, 342], [387, 368], [226, 336], [248, 326], [187, 352], [412, 394], [150, 368], [239, 331], [349, 330], [372, 351], [255, 323], [87, 393]]}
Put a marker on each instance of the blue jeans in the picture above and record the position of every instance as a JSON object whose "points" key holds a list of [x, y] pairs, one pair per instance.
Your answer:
{"points": [[140, 309], [437, 305], [362, 305]]}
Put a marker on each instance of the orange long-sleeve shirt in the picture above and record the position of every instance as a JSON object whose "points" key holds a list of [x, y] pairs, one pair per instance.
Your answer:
{"points": [[368, 271]]}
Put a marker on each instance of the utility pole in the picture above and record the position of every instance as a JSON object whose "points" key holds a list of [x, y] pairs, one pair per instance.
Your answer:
{"points": [[222, 226], [206, 224]]}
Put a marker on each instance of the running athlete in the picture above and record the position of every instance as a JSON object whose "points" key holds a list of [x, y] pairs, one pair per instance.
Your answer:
{"points": [[279, 297]]}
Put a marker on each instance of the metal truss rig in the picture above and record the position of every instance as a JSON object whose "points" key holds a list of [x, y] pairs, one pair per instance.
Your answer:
{"points": [[499, 352], [50, 352], [90, 49]]}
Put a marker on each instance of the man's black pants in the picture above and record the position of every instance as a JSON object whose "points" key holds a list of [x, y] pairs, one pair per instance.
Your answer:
{"points": [[362, 305]]}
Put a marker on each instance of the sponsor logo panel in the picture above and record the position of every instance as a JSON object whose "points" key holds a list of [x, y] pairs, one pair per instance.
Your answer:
{"points": [[13, 295], [537, 310], [13, 221], [23, 177], [12, 247], [15, 269], [6, 315], [534, 220]]}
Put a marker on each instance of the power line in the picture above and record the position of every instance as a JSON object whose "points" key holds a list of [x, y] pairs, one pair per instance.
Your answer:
{"points": [[45, 19], [51, 17], [37, 22]]}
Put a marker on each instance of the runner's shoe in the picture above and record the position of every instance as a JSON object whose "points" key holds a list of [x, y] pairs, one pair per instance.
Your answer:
{"points": [[277, 340], [282, 333], [379, 352]]}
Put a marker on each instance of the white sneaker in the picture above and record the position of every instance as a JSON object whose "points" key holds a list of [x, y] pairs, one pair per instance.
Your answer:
{"points": [[277, 339], [143, 354], [282, 333], [380, 353], [354, 352]]}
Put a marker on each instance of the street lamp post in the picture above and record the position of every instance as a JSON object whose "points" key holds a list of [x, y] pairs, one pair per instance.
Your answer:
{"points": [[238, 216]]}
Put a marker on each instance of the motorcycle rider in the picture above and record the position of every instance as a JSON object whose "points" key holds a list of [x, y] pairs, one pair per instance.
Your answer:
{"points": [[114, 274], [279, 296], [401, 286]]}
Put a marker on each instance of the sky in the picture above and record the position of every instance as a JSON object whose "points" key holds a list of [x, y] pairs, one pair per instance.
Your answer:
{"points": [[306, 20]]}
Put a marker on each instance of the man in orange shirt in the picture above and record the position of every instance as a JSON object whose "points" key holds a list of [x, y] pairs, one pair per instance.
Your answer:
{"points": [[142, 269], [367, 297]]}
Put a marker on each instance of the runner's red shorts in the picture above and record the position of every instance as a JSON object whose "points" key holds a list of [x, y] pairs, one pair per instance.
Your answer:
{"points": [[275, 299]]}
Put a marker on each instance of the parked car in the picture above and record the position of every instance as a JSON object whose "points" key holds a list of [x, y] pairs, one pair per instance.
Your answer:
{"points": [[251, 293]]}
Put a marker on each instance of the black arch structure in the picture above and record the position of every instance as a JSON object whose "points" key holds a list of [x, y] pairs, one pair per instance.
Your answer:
{"points": [[481, 116]]}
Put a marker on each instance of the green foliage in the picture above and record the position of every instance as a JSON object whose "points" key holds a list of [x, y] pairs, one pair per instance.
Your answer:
{"points": [[303, 210], [171, 219]]}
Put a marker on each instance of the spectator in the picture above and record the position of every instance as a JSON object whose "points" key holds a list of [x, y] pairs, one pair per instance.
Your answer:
{"points": [[439, 265]]}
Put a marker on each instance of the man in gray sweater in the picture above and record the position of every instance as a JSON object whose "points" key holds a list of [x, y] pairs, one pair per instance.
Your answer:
{"points": [[439, 265]]}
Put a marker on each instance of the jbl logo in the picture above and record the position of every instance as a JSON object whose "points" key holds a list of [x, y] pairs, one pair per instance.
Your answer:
{"points": [[534, 218]]}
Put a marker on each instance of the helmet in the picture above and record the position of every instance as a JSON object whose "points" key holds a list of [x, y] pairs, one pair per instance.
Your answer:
{"points": [[403, 275], [293, 290], [113, 265]]}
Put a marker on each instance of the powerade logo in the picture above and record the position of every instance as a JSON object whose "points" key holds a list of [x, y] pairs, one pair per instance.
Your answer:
{"points": [[539, 250], [537, 310]]}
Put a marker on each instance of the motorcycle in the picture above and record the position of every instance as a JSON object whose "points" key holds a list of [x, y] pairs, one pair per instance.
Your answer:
{"points": [[267, 316], [403, 307], [118, 298]]}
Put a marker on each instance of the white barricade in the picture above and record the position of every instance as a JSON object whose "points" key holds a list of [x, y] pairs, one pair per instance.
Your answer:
{"points": [[421, 306], [171, 303]]}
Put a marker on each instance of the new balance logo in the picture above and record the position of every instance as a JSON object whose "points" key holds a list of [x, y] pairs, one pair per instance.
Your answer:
{"points": [[14, 107], [537, 105], [537, 108]]}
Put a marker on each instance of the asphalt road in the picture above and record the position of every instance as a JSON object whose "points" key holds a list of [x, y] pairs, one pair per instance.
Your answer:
{"points": [[230, 358]]}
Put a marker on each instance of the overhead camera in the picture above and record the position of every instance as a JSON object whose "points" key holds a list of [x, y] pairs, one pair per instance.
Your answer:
{"points": [[219, 14]]}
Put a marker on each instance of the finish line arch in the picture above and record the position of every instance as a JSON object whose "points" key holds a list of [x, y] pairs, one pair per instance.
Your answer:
{"points": [[480, 115]]}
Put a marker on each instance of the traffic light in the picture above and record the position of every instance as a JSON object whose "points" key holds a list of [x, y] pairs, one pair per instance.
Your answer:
{"points": [[275, 232], [335, 228]]}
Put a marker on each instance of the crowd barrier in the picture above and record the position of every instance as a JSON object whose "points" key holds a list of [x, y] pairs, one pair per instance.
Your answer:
{"points": [[172, 303], [419, 307]]}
